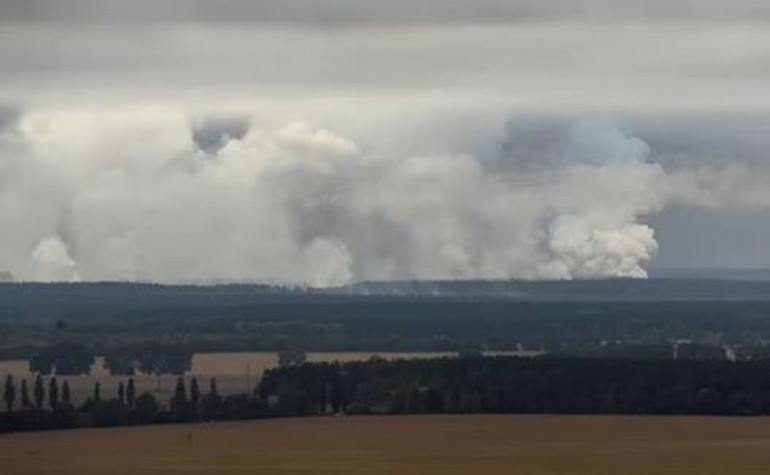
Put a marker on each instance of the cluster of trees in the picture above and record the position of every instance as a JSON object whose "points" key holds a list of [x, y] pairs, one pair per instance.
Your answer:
{"points": [[49, 406], [521, 385], [150, 359], [471, 384], [62, 359], [67, 359], [55, 397]]}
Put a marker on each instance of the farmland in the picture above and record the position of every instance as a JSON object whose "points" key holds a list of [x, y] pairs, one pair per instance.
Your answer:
{"points": [[424, 445]]}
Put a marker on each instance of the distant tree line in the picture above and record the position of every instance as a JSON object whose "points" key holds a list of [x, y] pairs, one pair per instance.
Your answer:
{"points": [[68, 359], [545, 384], [48, 405], [471, 384], [126, 318], [62, 359]]}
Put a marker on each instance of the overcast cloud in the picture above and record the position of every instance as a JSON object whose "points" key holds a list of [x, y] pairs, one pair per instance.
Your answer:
{"points": [[323, 142], [394, 12]]}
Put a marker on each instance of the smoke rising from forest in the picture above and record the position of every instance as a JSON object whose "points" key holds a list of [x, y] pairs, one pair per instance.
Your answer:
{"points": [[152, 194]]}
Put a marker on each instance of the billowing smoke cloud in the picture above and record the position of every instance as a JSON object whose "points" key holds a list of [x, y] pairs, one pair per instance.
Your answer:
{"points": [[50, 261], [149, 194]]}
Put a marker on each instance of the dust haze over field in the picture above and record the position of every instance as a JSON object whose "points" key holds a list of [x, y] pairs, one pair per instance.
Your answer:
{"points": [[294, 142]]}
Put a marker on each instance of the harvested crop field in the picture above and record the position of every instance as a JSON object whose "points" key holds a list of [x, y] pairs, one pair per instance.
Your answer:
{"points": [[422, 445]]}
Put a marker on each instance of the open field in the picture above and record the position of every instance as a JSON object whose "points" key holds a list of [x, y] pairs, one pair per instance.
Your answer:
{"points": [[423, 445]]}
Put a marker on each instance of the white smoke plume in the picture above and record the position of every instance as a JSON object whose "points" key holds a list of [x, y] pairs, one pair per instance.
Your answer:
{"points": [[129, 194]]}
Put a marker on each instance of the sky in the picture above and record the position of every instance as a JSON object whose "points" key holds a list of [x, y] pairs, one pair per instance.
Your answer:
{"points": [[325, 142]]}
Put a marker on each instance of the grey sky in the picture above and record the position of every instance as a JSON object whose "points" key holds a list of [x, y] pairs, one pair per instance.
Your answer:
{"points": [[399, 12], [502, 81], [547, 54]]}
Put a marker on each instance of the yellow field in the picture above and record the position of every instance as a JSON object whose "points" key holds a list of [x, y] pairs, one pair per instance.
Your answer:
{"points": [[421, 445]]}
